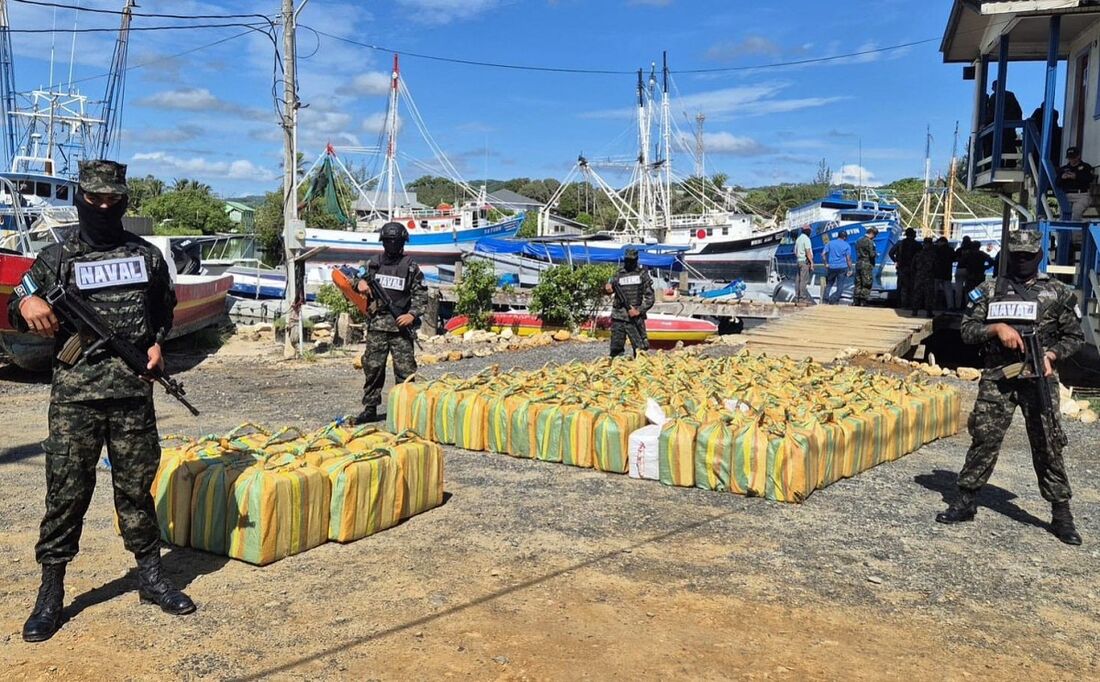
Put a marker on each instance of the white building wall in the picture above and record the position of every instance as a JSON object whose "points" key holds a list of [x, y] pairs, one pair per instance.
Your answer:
{"points": [[1089, 42]]}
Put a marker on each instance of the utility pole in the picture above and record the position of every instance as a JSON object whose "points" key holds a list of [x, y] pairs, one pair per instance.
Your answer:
{"points": [[293, 228]]}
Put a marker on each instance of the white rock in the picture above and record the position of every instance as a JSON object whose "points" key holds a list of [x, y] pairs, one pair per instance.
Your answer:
{"points": [[1087, 416], [469, 335], [1070, 408], [322, 325], [968, 373], [1084, 405], [506, 333]]}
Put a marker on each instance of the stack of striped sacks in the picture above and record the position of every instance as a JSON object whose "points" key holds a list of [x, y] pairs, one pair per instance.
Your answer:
{"points": [[748, 424], [260, 497]]}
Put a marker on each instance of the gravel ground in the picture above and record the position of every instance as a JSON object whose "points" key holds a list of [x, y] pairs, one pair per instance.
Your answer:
{"points": [[534, 571]]}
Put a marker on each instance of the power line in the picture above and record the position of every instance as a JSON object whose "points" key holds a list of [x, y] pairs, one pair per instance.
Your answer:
{"points": [[615, 72], [95, 10], [114, 29]]}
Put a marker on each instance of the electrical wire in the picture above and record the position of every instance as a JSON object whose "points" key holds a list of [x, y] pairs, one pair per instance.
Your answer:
{"points": [[96, 10], [113, 29]]}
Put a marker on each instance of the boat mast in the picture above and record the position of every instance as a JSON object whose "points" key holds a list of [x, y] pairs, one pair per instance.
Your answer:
{"points": [[652, 177], [7, 87], [927, 178], [391, 146], [949, 201], [116, 83], [666, 138], [643, 152]]}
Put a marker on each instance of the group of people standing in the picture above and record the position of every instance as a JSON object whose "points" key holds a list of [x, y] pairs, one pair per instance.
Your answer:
{"points": [[925, 271], [837, 259]]}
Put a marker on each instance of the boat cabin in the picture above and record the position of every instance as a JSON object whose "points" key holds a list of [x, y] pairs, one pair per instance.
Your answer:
{"points": [[1019, 157]]}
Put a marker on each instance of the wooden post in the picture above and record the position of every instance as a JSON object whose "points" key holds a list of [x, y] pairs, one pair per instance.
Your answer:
{"points": [[683, 282], [431, 315], [343, 328], [458, 273]]}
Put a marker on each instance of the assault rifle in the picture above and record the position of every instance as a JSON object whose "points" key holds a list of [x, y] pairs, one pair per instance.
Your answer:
{"points": [[379, 294], [85, 321], [1035, 369], [621, 295]]}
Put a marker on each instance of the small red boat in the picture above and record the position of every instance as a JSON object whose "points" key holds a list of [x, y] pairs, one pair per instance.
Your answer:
{"points": [[662, 330]]}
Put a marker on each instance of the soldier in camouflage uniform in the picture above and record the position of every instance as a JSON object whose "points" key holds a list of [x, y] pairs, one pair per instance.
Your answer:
{"points": [[902, 253], [923, 292], [1056, 318], [866, 255], [403, 282], [99, 400], [626, 322]]}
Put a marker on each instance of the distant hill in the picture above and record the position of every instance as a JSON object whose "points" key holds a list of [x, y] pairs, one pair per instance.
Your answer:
{"points": [[253, 200]]}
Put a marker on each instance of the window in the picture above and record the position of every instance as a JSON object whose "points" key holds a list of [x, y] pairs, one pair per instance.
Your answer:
{"points": [[62, 192], [710, 231], [24, 187], [725, 231], [42, 189]]}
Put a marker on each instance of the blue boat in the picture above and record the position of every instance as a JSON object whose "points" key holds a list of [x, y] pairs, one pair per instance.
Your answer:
{"points": [[850, 213]]}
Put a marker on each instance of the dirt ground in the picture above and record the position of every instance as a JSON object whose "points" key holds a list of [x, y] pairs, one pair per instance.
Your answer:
{"points": [[542, 571]]}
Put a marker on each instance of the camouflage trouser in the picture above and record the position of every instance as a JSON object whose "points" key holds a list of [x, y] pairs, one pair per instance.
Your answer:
{"points": [[865, 280], [905, 287], [380, 344], [77, 434], [992, 414], [922, 296], [621, 330]]}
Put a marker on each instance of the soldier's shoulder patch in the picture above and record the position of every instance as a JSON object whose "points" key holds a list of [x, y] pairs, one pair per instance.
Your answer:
{"points": [[975, 295]]}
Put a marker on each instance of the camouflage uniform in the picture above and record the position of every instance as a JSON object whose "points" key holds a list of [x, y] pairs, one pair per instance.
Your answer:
{"points": [[1059, 330], [384, 337], [922, 294], [100, 400], [866, 255], [637, 285]]}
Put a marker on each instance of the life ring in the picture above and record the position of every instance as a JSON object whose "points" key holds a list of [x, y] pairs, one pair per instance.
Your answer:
{"points": [[411, 224]]}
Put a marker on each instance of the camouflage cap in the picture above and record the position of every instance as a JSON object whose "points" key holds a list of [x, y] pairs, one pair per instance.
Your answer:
{"points": [[1028, 241], [103, 177]]}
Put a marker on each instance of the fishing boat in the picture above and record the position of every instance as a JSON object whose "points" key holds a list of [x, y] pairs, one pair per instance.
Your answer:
{"points": [[851, 212], [436, 235], [721, 238], [663, 330]]}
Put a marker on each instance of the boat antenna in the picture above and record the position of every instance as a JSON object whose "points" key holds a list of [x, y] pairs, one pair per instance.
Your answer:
{"points": [[53, 42], [927, 177], [72, 48]]}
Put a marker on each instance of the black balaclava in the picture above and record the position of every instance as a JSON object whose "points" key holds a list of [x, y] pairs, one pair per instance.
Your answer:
{"points": [[101, 228], [1023, 266], [630, 261], [393, 241]]}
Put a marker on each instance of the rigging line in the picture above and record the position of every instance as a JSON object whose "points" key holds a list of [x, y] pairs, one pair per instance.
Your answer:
{"points": [[114, 29], [812, 60], [96, 10]]}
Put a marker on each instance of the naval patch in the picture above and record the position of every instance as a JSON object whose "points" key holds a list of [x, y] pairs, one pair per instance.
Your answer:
{"points": [[390, 282], [100, 274], [974, 295], [1013, 310], [630, 279]]}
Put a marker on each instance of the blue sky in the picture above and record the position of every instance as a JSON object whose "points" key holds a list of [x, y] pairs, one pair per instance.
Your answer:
{"points": [[209, 114]]}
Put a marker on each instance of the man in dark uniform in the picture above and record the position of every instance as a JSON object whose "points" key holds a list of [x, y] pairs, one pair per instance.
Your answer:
{"points": [[977, 262], [1075, 178], [945, 258], [400, 277], [99, 400], [866, 255], [902, 254], [923, 293], [637, 286], [1050, 307]]}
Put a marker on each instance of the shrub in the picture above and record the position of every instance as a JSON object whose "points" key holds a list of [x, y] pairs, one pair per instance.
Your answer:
{"points": [[569, 296], [330, 297], [475, 293]]}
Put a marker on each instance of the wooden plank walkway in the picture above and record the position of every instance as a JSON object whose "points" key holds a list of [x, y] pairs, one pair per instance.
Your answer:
{"points": [[822, 332]]}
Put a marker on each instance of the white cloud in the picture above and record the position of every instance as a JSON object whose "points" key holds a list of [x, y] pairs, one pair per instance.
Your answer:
{"points": [[200, 100], [198, 167], [183, 132], [726, 144], [376, 123], [854, 174], [749, 45], [651, 3], [370, 84], [446, 11], [746, 100]]}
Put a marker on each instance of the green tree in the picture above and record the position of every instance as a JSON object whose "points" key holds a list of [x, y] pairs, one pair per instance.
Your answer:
{"points": [[568, 296], [332, 298], [269, 227], [188, 212], [475, 293], [188, 185], [143, 190]]}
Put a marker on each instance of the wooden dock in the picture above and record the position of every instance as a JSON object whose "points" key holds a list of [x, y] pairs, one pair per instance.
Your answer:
{"points": [[822, 332]]}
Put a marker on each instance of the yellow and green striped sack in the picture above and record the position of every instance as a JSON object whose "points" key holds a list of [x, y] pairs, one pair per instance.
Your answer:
{"points": [[365, 495], [893, 430], [865, 429], [500, 409], [174, 483], [399, 405], [471, 421], [612, 434], [843, 447], [277, 510], [523, 434], [420, 475], [548, 433], [676, 452], [819, 460], [791, 475], [444, 422], [948, 410], [247, 437], [578, 435], [209, 502]]}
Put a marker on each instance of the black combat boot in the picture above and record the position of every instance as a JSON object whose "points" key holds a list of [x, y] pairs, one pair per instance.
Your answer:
{"points": [[962, 509], [154, 589], [1061, 524], [45, 620], [368, 415]]}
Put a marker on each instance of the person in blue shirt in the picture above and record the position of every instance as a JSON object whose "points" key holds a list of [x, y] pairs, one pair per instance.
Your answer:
{"points": [[837, 256]]}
